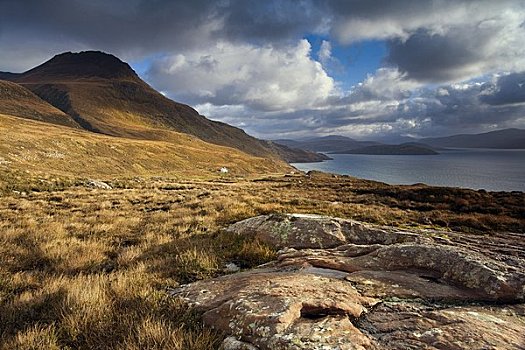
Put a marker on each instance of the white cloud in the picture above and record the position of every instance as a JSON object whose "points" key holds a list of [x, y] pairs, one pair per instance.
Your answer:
{"points": [[386, 84], [325, 52], [387, 103], [266, 78]]}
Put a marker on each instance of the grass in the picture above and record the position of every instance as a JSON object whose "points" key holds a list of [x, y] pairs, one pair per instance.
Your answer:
{"points": [[84, 268], [39, 147]]}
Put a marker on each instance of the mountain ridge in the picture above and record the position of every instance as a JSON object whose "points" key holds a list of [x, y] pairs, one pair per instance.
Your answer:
{"points": [[510, 138], [331, 143], [21, 102], [402, 149]]}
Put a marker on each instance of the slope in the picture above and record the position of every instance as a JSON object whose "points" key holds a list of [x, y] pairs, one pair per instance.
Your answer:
{"points": [[30, 145], [18, 101]]}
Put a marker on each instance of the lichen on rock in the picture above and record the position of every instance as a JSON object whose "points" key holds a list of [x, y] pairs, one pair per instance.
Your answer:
{"points": [[342, 284]]}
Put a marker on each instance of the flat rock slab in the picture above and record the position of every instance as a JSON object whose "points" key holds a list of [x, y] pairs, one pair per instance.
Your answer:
{"points": [[341, 284], [302, 231], [433, 270], [275, 309], [401, 325]]}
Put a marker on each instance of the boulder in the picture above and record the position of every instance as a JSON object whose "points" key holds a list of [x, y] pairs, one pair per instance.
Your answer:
{"points": [[342, 284], [427, 268], [315, 231], [99, 184], [282, 309], [401, 325]]}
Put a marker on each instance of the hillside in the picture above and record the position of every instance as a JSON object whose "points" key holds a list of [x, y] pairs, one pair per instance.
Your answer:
{"points": [[40, 147], [104, 95], [18, 101], [507, 138], [296, 155], [403, 149]]}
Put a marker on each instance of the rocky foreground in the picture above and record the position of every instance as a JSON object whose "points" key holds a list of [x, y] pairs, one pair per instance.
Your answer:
{"points": [[341, 284]]}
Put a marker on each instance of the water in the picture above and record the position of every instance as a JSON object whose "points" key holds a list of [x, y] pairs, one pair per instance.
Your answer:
{"points": [[489, 169]]}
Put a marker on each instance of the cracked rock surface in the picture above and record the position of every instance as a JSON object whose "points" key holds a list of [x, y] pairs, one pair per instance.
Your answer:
{"points": [[341, 284]]}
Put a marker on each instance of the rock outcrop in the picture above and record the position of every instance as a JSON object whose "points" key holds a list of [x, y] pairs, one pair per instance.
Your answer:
{"points": [[341, 284]]}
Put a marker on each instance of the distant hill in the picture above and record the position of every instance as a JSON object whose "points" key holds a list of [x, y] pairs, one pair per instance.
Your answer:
{"points": [[330, 144], [507, 138], [403, 149], [296, 155], [103, 94]]}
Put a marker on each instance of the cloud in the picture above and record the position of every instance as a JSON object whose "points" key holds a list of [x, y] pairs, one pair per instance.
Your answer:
{"points": [[506, 90], [325, 52], [461, 53], [273, 20], [384, 85], [130, 29], [438, 41], [138, 28], [356, 20], [387, 103], [263, 78]]}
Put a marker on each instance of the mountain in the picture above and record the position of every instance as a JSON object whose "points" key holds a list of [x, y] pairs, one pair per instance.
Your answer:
{"points": [[403, 149], [506, 138], [331, 143], [102, 94]]}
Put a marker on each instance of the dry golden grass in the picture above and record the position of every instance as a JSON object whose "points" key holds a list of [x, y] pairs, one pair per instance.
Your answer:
{"points": [[84, 268], [35, 146]]}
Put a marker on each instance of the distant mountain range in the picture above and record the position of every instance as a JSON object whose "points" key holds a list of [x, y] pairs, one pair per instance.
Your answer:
{"points": [[331, 143], [402, 149], [503, 139], [97, 92]]}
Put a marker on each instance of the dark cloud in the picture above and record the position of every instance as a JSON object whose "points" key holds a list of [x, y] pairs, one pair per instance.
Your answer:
{"points": [[431, 40], [137, 28], [508, 89], [119, 25], [432, 57], [438, 41], [273, 20]]}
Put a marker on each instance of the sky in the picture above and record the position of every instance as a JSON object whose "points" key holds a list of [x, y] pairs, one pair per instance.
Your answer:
{"points": [[382, 69]]}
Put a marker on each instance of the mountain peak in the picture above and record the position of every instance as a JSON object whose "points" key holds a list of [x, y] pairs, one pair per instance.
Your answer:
{"points": [[85, 64]]}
